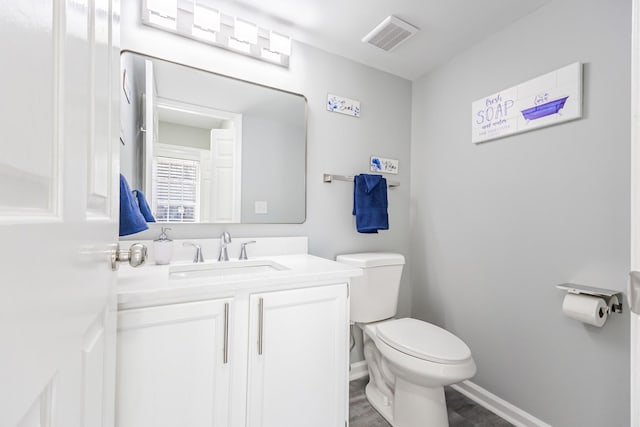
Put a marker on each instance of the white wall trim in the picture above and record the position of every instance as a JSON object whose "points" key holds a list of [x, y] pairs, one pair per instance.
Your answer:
{"points": [[358, 370], [498, 406], [482, 397]]}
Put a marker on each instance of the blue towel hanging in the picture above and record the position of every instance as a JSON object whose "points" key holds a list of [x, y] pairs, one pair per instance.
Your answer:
{"points": [[370, 203], [144, 206], [131, 219]]}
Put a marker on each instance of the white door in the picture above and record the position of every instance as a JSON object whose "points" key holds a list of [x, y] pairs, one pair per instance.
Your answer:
{"points": [[226, 175], [59, 132], [298, 358], [635, 212], [174, 365]]}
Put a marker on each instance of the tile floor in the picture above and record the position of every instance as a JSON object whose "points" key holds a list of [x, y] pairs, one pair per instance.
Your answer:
{"points": [[463, 412]]}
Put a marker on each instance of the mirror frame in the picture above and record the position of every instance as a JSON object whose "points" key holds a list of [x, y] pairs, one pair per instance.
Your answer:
{"points": [[306, 129]]}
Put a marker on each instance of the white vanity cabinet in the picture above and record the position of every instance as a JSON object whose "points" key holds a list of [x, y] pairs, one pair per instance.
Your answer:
{"points": [[298, 350], [285, 330], [173, 367]]}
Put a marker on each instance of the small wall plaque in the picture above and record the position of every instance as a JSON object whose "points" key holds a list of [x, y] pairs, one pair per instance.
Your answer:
{"points": [[342, 105], [380, 164]]}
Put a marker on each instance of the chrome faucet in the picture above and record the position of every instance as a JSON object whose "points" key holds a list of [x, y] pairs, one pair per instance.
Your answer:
{"points": [[198, 257], [225, 239]]}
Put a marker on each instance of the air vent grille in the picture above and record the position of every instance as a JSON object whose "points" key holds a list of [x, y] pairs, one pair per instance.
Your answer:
{"points": [[390, 33]]}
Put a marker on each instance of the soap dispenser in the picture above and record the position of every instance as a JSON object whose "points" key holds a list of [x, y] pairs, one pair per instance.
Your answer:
{"points": [[163, 248]]}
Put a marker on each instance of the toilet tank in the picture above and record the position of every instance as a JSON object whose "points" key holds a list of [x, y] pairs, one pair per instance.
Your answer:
{"points": [[374, 295]]}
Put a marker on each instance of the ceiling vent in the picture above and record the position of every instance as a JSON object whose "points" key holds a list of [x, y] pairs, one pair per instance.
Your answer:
{"points": [[390, 33]]}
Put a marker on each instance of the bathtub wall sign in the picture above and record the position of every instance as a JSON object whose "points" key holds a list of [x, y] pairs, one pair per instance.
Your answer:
{"points": [[342, 105], [547, 100]]}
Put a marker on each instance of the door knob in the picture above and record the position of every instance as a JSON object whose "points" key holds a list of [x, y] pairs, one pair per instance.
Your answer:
{"points": [[136, 255]]}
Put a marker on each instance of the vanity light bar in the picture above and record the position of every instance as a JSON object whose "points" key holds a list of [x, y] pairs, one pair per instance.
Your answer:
{"points": [[206, 35], [271, 56], [239, 45], [162, 13], [245, 31], [195, 20], [205, 18], [165, 8], [279, 43]]}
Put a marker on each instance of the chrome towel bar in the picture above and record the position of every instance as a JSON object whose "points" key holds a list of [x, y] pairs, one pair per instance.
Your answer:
{"points": [[327, 177]]}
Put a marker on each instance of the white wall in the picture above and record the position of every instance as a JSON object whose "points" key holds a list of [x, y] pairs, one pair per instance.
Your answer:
{"points": [[335, 143], [495, 226]]}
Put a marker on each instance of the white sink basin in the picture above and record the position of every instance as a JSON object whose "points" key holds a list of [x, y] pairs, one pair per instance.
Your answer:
{"points": [[223, 269]]}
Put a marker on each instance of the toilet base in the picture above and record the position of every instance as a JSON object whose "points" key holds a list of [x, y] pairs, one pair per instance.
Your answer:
{"points": [[379, 402], [412, 405], [409, 391], [418, 406]]}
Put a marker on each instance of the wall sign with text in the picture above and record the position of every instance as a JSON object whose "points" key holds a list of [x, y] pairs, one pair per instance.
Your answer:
{"points": [[547, 100], [380, 164], [342, 105]]}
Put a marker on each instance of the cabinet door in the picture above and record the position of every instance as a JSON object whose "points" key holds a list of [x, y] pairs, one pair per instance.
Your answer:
{"points": [[173, 367], [298, 364]]}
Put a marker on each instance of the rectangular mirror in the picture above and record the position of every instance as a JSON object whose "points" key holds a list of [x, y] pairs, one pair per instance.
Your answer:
{"points": [[207, 148]]}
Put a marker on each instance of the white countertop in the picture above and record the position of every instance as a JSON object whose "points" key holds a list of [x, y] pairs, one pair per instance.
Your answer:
{"points": [[150, 284]]}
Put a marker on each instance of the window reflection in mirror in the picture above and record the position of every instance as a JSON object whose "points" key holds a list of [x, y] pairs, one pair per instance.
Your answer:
{"points": [[209, 148]]}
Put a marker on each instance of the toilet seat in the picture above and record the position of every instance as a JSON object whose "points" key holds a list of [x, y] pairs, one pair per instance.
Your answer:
{"points": [[423, 340]]}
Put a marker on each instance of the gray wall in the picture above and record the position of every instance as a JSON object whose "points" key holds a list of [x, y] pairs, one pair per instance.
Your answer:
{"points": [[495, 226], [335, 143], [186, 136], [272, 166]]}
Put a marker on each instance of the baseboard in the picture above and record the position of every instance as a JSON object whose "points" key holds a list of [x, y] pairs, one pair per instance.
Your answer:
{"points": [[482, 397], [498, 406], [358, 370]]}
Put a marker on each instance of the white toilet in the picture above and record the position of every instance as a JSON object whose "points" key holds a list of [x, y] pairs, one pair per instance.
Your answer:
{"points": [[409, 361]]}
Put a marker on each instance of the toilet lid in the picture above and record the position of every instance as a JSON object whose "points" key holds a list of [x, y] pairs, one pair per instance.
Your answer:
{"points": [[423, 340]]}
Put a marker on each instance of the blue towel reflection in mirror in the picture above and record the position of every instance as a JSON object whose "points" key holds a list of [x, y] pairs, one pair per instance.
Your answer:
{"points": [[370, 204], [132, 210], [144, 206]]}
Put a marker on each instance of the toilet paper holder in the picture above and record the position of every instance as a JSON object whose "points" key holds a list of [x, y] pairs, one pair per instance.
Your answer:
{"points": [[613, 298]]}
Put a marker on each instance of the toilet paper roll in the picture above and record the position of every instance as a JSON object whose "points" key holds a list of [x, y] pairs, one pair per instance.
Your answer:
{"points": [[585, 308]]}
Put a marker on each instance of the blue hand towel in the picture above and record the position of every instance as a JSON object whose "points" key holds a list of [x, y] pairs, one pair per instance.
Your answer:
{"points": [[370, 203], [131, 219], [144, 206]]}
